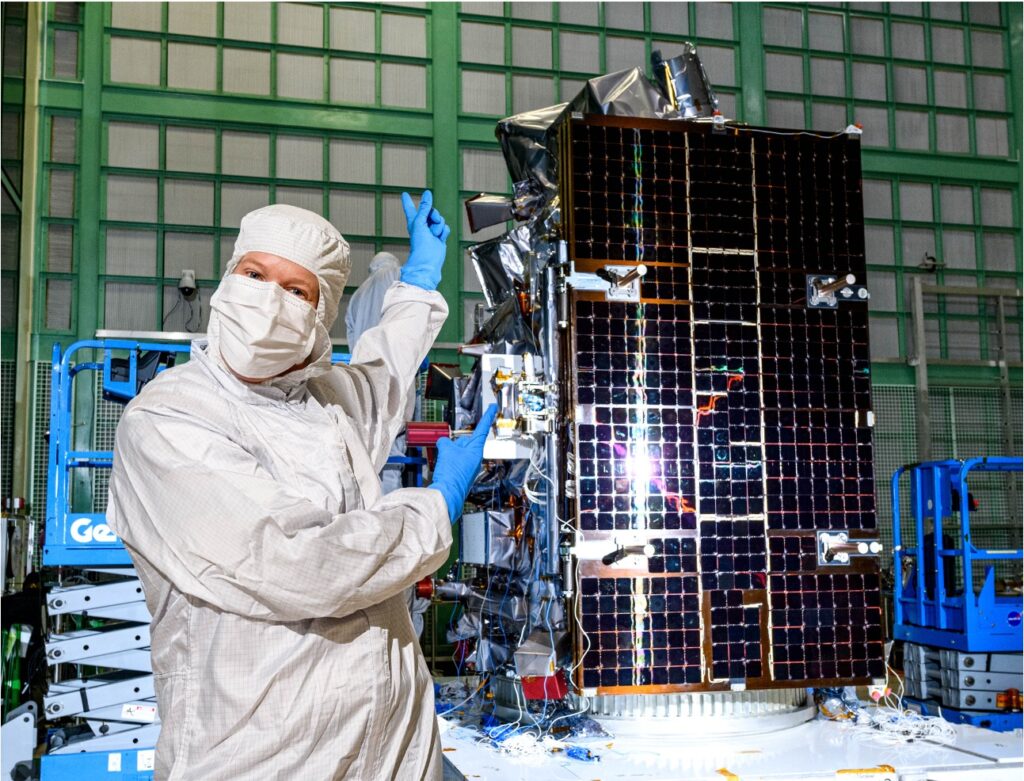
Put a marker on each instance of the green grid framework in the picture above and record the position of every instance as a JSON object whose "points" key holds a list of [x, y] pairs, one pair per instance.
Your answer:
{"points": [[338, 107]]}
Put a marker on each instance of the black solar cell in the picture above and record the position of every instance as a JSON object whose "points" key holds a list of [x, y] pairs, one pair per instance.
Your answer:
{"points": [[719, 419]]}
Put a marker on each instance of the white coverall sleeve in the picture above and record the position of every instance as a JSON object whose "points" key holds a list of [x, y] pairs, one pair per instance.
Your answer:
{"points": [[200, 509], [373, 390]]}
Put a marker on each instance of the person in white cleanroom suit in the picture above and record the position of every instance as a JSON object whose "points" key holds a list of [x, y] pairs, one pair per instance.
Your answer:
{"points": [[245, 488], [365, 309]]}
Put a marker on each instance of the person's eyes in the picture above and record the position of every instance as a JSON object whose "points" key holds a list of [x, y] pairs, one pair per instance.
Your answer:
{"points": [[253, 274], [298, 292]]}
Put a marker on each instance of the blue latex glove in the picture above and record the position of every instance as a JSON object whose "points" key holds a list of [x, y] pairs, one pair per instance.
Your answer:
{"points": [[427, 236], [458, 463]]}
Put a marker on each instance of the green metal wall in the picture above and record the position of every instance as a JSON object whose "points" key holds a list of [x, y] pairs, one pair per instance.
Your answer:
{"points": [[162, 123]]}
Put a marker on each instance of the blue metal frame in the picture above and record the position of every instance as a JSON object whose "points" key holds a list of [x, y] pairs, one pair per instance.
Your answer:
{"points": [[981, 622], [85, 539], [98, 765], [993, 720]]}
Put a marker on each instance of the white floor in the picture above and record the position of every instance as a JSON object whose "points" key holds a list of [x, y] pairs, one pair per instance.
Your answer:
{"points": [[816, 751]]}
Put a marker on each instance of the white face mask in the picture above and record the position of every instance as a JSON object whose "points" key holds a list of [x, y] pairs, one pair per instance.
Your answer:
{"points": [[264, 329]]}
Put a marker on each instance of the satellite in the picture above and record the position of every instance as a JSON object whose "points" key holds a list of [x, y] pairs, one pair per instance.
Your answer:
{"points": [[678, 344]]}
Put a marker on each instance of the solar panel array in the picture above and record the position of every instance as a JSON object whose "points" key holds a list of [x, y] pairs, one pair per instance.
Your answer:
{"points": [[719, 420]]}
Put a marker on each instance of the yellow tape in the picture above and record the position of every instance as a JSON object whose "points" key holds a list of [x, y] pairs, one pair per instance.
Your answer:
{"points": [[879, 773], [728, 774]]}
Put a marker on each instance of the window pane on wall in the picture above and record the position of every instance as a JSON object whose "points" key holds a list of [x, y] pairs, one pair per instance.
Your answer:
{"points": [[130, 307], [957, 204], [869, 81], [192, 19], [989, 92], [951, 89], [60, 246], [404, 165], [403, 85], [353, 161], [908, 41], [403, 35], [714, 20], [540, 12], [671, 18], [300, 76], [916, 201], [996, 207], [985, 13], [948, 45], [825, 31], [579, 52], [353, 81], [782, 26], [130, 252], [784, 72], [188, 316], [131, 198], [883, 292], [188, 202], [531, 48], [361, 255], [237, 200], [62, 193], [987, 49], [962, 340], [134, 61], [910, 85], [482, 8], [353, 213], [911, 130], [483, 93], [483, 170], [309, 198], [132, 145], [958, 249], [531, 92], [300, 25], [917, 242], [65, 54], [828, 77], [574, 13], [352, 30], [999, 252], [785, 113], [877, 199], [623, 53], [8, 303], [486, 42], [191, 149], [245, 154], [300, 157], [58, 304], [569, 88], [879, 247], [63, 139], [948, 11], [626, 16], [189, 250], [719, 61], [992, 136], [828, 116], [247, 21], [136, 16], [875, 122], [191, 67], [951, 134], [247, 71], [885, 337], [393, 215], [867, 36]]}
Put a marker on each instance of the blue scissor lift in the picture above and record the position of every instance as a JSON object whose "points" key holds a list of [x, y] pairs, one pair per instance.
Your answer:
{"points": [[102, 624], [963, 643]]}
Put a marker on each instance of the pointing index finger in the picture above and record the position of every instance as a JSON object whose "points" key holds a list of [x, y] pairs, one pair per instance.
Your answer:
{"points": [[483, 428]]}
